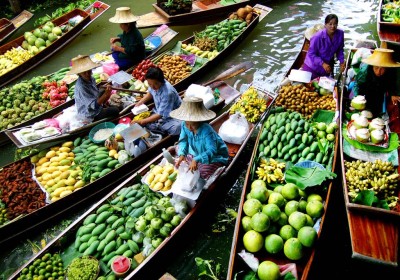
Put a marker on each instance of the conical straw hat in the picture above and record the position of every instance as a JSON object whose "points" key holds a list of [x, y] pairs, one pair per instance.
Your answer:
{"points": [[312, 30], [192, 109], [382, 58], [82, 63], [123, 15]]}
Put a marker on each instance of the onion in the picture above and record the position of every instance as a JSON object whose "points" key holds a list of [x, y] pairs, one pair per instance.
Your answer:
{"points": [[241, 12]]}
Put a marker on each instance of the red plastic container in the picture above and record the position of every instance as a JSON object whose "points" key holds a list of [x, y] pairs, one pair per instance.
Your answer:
{"points": [[121, 265]]}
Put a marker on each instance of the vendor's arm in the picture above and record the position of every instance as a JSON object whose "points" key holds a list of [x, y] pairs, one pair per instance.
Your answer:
{"points": [[145, 99], [105, 96], [114, 40], [151, 119], [183, 145], [211, 148], [313, 53]]}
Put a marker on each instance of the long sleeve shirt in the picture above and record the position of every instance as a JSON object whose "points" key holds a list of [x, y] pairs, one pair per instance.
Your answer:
{"points": [[133, 43], [86, 94], [165, 99], [206, 146], [323, 49]]}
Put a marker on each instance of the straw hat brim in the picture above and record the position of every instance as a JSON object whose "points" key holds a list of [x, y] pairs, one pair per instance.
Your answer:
{"points": [[192, 109], [124, 20], [123, 15], [381, 58], [312, 30], [81, 64]]}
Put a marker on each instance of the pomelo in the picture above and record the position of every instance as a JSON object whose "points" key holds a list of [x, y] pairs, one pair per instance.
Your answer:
{"points": [[40, 42], [47, 28], [52, 37], [291, 207], [287, 231], [57, 31], [41, 48], [27, 35], [260, 193], [293, 249], [302, 205], [257, 183], [252, 206], [283, 219], [290, 191], [48, 43], [278, 189], [315, 209], [276, 198], [272, 211], [273, 243], [36, 32], [253, 241], [43, 35], [31, 40], [307, 236], [25, 45], [49, 23], [314, 196], [260, 222], [310, 221], [297, 220], [246, 223], [268, 270]]}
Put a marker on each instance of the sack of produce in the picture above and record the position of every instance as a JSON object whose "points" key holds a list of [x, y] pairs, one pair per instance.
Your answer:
{"points": [[235, 129]]}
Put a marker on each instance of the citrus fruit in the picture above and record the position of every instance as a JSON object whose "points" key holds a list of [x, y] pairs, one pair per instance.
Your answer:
{"points": [[290, 191], [291, 207], [283, 219], [268, 270], [302, 193], [287, 232], [260, 222], [273, 243], [276, 198], [278, 189], [258, 183], [252, 206], [314, 196], [297, 220], [302, 205], [315, 208], [260, 193], [293, 249], [253, 241], [307, 236], [272, 211], [246, 223], [310, 221]]}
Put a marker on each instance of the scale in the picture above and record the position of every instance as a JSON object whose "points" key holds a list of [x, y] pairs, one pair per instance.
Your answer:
{"points": [[121, 77]]}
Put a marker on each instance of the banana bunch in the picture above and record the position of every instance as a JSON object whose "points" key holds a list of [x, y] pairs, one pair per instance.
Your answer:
{"points": [[250, 104], [97, 57], [197, 51], [161, 178], [270, 170], [142, 116], [12, 58]]}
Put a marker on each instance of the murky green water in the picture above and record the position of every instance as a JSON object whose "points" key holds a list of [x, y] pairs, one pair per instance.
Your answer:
{"points": [[272, 46]]}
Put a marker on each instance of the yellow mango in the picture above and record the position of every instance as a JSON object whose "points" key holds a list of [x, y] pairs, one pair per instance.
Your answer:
{"points": [[55, 148], [79, 184], [46, 164], [65, 193], [70, 181], [61, 183], [68, 144], [71, 154], [150, 178], [65, 174], [51, 154], [50, 183], [163, 177], [54, 158], [112, 153], [57, 191], [63, 168], [46, 176], [42, 160], [34, 159], [157, 178], [55, 198], [168, 184], [54, 163], [55, 174], [39, 170], [65, 149], [158, 186]]}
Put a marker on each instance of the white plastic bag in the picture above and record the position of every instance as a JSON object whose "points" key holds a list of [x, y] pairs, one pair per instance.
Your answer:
{"points": [[186, 179], [235, 129], [360, 54], [205, 93]]}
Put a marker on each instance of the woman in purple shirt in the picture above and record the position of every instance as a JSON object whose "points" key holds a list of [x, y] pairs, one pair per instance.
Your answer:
{"points": [[324, 45]]}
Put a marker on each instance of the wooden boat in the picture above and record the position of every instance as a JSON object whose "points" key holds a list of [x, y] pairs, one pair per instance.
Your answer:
{"points": [[70, 232], [198, 71], [166, 35], [21, 225], [388, 32], [67, 37], [200, 10], [238, 268], [374, 232], [8, 27]]}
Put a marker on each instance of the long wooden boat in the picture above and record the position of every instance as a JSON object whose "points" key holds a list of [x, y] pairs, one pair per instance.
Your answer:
{"points": [[26, 222], [206, 64], [238, 268], [143, 259], [374, 232], [166, 35], [8, 27], [200, 10], [388, 32], [87, 18]]}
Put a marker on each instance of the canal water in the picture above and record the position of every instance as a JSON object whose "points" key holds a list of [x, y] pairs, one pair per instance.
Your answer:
{"points": [[272, 47]]}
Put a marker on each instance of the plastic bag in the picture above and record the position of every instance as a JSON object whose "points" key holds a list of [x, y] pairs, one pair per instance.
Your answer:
{"points": [[360, 54], [69, 120], [235, 129], [202, 92], [180, 205], [186, 179]]}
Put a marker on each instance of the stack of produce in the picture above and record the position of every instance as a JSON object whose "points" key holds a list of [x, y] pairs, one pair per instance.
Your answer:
{"points": [[141, 69], [50, 266], [161, 178], [251, 104], [174, 67], [209, 54], [245, 14], [56, 92], [12, 58]]}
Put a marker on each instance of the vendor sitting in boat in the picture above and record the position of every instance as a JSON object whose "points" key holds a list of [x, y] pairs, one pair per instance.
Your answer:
{"points": [[166, 99], [376, 80], [132, 49], [89, 101], [199, 144]]}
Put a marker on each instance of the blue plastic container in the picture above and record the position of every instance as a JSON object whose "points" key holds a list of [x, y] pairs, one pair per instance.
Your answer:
{"points": [[309, 164]]}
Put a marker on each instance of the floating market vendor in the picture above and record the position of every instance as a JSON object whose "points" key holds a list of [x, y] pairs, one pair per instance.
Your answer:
{"points": [[88, 99], [166, 99], [199, 144], [376, 80], [131, 49], [324, 45]]}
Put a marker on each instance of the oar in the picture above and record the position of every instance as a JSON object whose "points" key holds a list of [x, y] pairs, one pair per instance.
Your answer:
{"points": [[240, 68], [127, 90]]}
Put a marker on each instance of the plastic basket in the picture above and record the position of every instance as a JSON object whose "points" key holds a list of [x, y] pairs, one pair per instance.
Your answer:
{"points": [[97, 128], [309, 164]]}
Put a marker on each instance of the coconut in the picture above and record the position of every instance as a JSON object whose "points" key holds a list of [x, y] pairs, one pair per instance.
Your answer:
{"points": [[362, 134], [359, 102], [377, 136], [377, 123], [366, 114], [361, 122], [354, 116]]}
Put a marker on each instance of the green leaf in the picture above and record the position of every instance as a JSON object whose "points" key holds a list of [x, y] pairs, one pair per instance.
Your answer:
{"points": [[307, 177], [365, 198], [289, 276]]}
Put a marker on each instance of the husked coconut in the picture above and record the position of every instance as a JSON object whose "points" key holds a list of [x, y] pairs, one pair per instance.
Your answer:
{"points": [[362, 134], [377, 136], [377, 123], [359, 102], [361, 122]]}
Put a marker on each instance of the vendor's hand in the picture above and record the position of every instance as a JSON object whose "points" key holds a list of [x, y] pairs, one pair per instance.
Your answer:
{"points": [[113, 40], [395, 99], [138, 103], [342, 66], [116, 48], [139, 122], [180, 159], [193, 166], [327, 68]]}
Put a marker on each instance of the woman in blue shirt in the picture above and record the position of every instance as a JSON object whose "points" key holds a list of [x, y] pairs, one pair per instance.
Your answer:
{"points": [[199, 144], [166, 99], [88, 99], [132, 48]]}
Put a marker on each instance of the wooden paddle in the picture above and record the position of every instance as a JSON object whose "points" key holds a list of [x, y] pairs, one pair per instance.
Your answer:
{"points": [[127, 90], [240, 68]]}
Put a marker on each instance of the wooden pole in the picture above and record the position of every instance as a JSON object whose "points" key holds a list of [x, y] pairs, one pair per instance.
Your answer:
{"points": [[15, 6]]}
